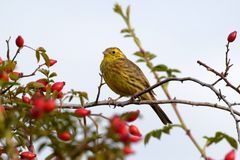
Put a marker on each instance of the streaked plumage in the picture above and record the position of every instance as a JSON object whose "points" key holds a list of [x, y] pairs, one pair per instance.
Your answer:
{"points": [[126, 79]]}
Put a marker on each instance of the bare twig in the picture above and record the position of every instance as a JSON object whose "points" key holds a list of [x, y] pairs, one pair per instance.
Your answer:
{"points": [[8, 48], [34, 72], [228, 65], [220, 75], [99, 88]]}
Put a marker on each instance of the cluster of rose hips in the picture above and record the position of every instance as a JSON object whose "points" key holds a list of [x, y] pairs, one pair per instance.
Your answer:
{"points": [[38, 101], [121, 131]]}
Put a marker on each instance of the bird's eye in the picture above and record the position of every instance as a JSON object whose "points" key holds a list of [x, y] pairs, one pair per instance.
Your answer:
{"points": [[113, 52]]}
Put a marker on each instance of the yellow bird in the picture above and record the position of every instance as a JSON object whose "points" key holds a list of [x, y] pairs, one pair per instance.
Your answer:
{"points": [[126, 79]]}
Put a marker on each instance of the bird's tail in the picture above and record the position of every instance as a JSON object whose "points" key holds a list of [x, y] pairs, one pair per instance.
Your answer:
{"points": [[161, 114]]}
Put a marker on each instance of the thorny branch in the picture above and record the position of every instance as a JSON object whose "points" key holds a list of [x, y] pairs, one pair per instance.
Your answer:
{"points": [[220, 96], [137, 102]]}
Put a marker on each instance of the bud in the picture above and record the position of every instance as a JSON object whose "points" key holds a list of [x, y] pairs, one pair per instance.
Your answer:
{"points": [[36, 113], [20, 41], [43, 82], [2, 109], [127, 150], [82, 112], [134, 130], [135, 139], [26, 99], [49, 105], [232, 36], [119, 126], [4, 76], [65, 136], [60, 95], [27, 155], [1, 61], [52, 62], [131, 116], [14, 76], [230, 156], [58, 86]]}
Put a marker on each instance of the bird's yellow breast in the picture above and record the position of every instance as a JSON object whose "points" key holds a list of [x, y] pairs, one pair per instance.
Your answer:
{"points": [[116, 78]]}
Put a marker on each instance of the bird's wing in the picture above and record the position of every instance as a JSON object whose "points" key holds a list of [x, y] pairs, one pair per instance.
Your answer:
{"points": [[135, 72]]}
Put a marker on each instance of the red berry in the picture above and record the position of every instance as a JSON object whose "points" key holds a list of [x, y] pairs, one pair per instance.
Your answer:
{"points": [[20, 41], [43, 82], [120, 127], [39, 103], [117, 122], [134, 130], [50, 105], [27, 155], [1, 61], [127, 150], [232, 36], [4, 76], [60, 95], [134, 139], [36, 113], [132, 116], [58, 86], [2, 109], [230, 156], [52, 62], [209, 158], [65, 136], [37, 95], [82, 112], [15, 75], [26, 99]]}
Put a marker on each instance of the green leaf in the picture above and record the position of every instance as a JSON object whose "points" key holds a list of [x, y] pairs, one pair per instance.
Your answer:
{"points": [[232, 141], [41, 49], [38, 55], [84, 94], [140, 60], [176, 71], [54, 74], [166, 129], [160, 68], [118, 9], [150, 55], [127, 35], [139, 54], [147, 54], [35, 85], [125, 30], [46, 58], [128, 12], [147, 138], [44, 72], [158, 133], [219, 136]]}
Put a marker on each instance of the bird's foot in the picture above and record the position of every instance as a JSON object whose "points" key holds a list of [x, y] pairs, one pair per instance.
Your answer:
{"points": [[113, 101], [135, 99]]}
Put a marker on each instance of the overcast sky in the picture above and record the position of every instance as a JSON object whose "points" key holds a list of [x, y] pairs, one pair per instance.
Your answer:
{"points": [[180, 33]]}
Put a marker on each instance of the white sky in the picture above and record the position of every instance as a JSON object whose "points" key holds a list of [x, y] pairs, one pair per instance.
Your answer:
{"points": [[180, 32]]}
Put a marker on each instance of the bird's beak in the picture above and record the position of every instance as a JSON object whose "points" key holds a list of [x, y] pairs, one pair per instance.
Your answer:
{"points": [[105, 52]]}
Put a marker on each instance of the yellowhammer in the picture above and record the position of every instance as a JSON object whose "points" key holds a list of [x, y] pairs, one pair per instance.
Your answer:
{"points": [[126, 78]]}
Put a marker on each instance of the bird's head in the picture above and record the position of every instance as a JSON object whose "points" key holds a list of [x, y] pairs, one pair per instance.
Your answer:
{"points": [[113, 53]]}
